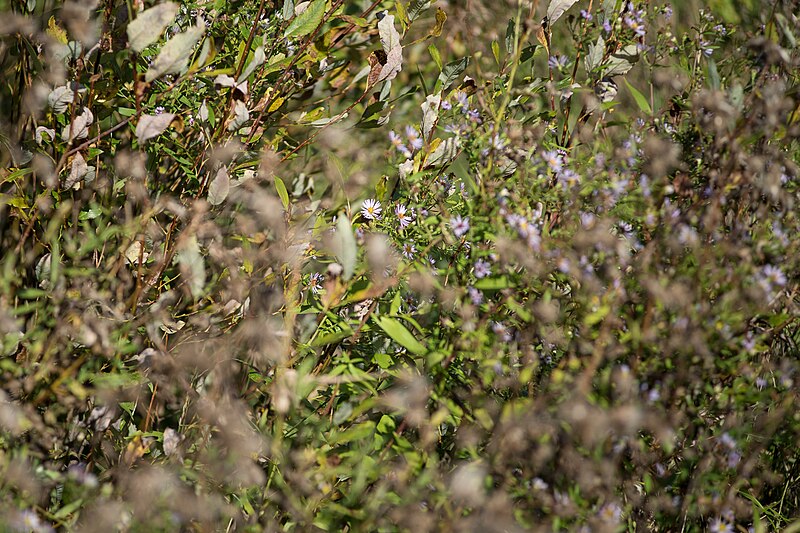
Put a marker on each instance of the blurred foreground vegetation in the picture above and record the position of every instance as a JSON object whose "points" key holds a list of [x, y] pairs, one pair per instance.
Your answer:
{"points": [[399, 265]]}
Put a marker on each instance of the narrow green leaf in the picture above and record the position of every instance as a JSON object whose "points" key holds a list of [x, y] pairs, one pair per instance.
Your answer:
{"points": [[437, 58], [641, 101], [492, 284], [496, 51], [400, 334], [282, 192], [307, 21]]}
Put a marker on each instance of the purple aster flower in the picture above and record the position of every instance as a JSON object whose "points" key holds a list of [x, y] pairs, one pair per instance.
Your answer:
{"points": [[409, 250], [413, 137], [397, 141], [475, 295], [606, 26], [585, 14], [371, 209], [459, 225], [446, 105], [557, 62], [482, 268], [553, 160]]}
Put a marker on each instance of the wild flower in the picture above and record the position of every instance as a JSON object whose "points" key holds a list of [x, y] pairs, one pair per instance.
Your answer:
{"points": [[607, 26], [482, 269], [635, 21], [446, 105], [586, 15], [397, 142], [557, 62], [553, 160], [610, 512], [771, 279], [414, 140], [409, 250], [501, 331], [475, 295], [718, 525], [29, 522], [403, 215], [371, 209], [315, 282], [568, 178], [463, 100], [459, 225], [538, 483]]}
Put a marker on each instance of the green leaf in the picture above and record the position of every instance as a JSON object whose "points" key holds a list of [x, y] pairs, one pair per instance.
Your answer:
{"points": [[641, 101], [282, 192], [307, 21], [437, 58], [492, 284], [400, 334], [347, 246], [333, 336], [451, 72]]}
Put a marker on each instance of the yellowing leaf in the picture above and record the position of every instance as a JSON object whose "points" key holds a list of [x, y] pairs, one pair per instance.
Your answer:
{"points": [[56, 32], [441, 17]]}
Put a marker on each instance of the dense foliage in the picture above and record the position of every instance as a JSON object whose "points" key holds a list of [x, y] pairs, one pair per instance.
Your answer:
{"points": [[399, 265]]}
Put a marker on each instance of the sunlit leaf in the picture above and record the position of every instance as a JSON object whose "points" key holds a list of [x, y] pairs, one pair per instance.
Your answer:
{"points": [[283, 194], [258, 60], [219, 187], [307, 21], [240, 116], [430, 114], [557, 8], [400, 334], [641, 101], [150, 24], [60, 98], [192, 265], [451, 72], [150, 126], [174, 56]]}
